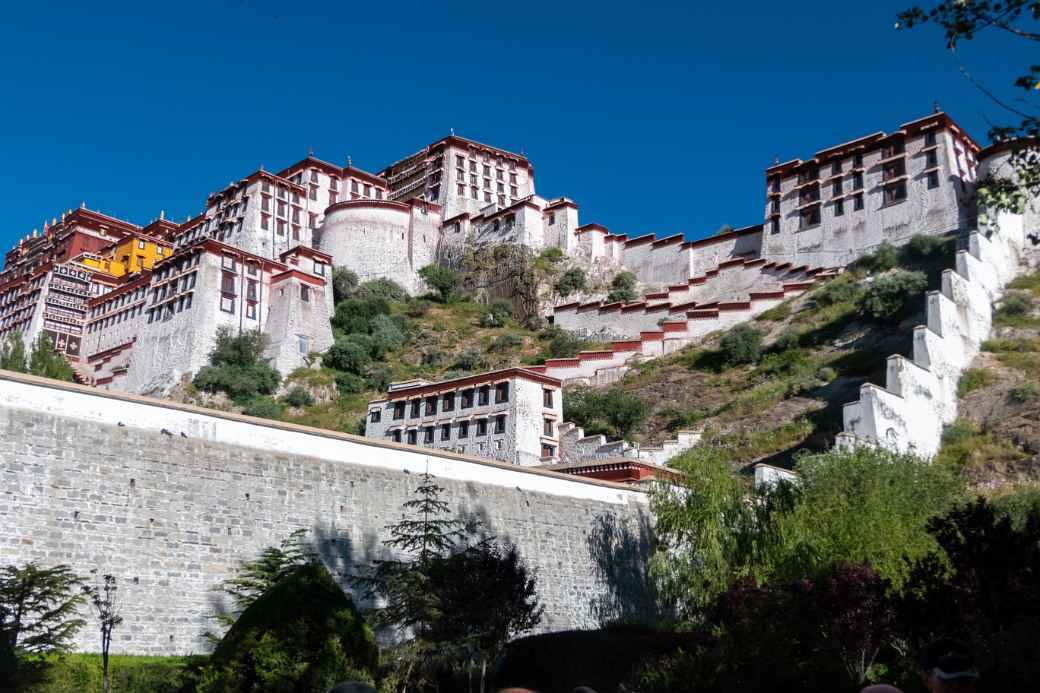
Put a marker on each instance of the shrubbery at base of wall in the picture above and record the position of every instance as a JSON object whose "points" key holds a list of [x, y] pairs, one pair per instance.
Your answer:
{"points": [[81, 673]]}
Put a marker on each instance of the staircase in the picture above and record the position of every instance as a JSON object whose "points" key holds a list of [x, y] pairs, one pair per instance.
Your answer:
{"points": [[576, 447], [664, 322], [79, 373]]}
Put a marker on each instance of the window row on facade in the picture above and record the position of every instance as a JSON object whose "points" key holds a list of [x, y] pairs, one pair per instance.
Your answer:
{"points": [[431, 434]]}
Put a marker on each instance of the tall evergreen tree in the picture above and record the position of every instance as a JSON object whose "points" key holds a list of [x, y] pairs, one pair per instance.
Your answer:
{"points": [[12, 354], [46, 362]]}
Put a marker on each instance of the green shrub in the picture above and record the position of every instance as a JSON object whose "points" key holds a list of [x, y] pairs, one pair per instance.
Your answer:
{"points": [[299, 397], [355, 315], [237, 367], [380, 376], [1026, 392], [128, 674], [264, 407], [622, 412], [561, 344], [884, 258], [571, 281], [386, 289], [826, 374], [787, 340], [443, 280], [1014, 306], [1010, 345], [12, 354], [784, 363], [891, 295], [677, 418], [350, 383], [844, 288], [344, 284], [780, 311], [417, 308], [44, 360], [497, 314], [431, 356], [350, 354], [470, 361], [387, 335], [972, 379], [303, 634], [742, 344], [505, 342], [622, 288], [553, 254], [923, 247]]}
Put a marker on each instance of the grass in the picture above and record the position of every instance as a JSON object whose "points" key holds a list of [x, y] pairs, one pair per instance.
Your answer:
{"points": [[777, 313], [748, 445], [972, 379], [965, 447]]}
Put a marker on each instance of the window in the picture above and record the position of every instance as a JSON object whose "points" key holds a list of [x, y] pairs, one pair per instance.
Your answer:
{"points": [[398, 410], [251, 311], [445, 431], [548, 451], [857, 202], [281, 227], [303, 344], [483, 395], [431, 406], [312, 220], [808, 175], [892, 149], [416, 407], [368, 190], [775, 205], [500, 424], [836, 168], [929, 138], [375, 415], [464, 429], [839, 208], [227, 262], [305, 294], [481, 427], [547, 427], [857, 161], [501, 393], [319, 269], [896, 192], [313, 194], [835, 188], [857, 181], [775, 226], [353, 186], [251, 286], [140, 244], [931, 158], [227, 284], [395, 436], [461, 189], [467, 398], [547, 398], [894, 169], [810, 216], [449, 402], [413, 437], [227, 304], [513, 191], [460, 161], [933, 179], [427, 435]]}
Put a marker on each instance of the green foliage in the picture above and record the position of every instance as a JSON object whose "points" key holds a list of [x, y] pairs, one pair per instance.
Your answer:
{"points": [[356, 315], [571, 281], [129, 674], [237, 367], [891, 295], [380, 376], [497, 314], [973, 379], [344, 284], [12, 354], [966, 448], [884, 258], [924, 247], [387, 335], [554, 254], [622, 288], [777, 313], [350, 383], [742, 344], [1016, 310], [264, 407], [1024, 393], [505, 342], [301, 634], [441, 279], [417, 308], [299, 397], [827, 374], [386, 289], [560, 344], [350, 354], [788, 339], [38, 618], [612, 409], [843, 289], [45, 362], [470, 361], [1018, 504]]}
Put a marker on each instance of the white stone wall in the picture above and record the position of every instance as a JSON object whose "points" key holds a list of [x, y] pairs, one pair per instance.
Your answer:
{"points": [[297, 328]]}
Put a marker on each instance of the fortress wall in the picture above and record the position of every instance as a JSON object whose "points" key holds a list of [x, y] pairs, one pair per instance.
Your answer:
{"points": [[90, 479]]}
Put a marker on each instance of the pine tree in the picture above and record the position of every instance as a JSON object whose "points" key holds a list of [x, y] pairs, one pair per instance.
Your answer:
{"points": [[45, 362], [12, 354]]}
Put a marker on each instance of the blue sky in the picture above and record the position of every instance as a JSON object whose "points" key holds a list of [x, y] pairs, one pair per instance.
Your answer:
{"points": [[654, 118]]}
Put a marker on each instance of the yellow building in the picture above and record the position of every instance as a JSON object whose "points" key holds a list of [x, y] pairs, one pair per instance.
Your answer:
{"points": [[131, 255]]}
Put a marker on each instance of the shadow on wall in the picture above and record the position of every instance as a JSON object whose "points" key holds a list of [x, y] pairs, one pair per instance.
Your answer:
{"points": [[621, 551]]}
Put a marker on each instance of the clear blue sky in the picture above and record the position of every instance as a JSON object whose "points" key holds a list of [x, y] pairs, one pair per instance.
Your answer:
{"points": [[654, 118]]}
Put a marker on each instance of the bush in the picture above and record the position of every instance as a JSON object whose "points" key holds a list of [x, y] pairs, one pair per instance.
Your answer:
{"points": [[349, 354], [884, 258], [826, 374], [303, 634], [497, 314], [923, 247], [844, 288], [787, 340], [561, 344], [237, 367], [387, 335], [380, 377], [972, 379], [264, 407], [386, 289], [1026, 392], [344, 283], [621, 411], [431, 356], [469, 360], [890, 296], [441, 279], [742, 344], [128, 674], [356, 315], [1015, 304], [350, 383], [299, 397], [417, 308], [571, 281], [505, 342], [622, 288]]}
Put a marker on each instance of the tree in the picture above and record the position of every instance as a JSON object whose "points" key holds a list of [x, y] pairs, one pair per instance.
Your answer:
{"points": [[12, 354], [1016, 19], [103, 599], [349, 354], [742, 344], [441, 279], [622, 288], [302, 633], [571, 281], [45, 362], [890, 295], [611, 411], [38, 617], [237, 366], [344, 283], [857, 616]]}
